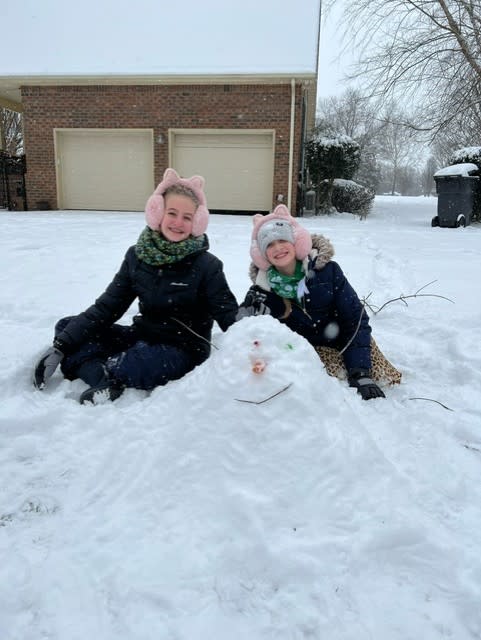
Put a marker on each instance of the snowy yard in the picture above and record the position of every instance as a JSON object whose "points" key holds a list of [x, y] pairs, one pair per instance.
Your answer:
{"points": [[186, 514]]}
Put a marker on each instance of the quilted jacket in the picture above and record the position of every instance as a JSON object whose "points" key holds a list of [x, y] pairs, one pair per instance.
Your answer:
{"points": [[178, 303]]}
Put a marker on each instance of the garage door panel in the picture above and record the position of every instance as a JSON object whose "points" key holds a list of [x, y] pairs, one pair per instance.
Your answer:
{"points": [[224, 140], [104, 169], [238, 168]]}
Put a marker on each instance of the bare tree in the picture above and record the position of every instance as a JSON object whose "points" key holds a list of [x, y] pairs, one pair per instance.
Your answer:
{"points": [[427, 175], [399, 143], [409, 182], [11, 134], [354, 115], [381, 131], [428, 51]]}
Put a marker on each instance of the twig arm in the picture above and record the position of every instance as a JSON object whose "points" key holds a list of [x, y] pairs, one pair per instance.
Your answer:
{"points": [[278, 393]]}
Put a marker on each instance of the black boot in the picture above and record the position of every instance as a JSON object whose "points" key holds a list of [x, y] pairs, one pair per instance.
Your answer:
{"points": [[106, 391]]}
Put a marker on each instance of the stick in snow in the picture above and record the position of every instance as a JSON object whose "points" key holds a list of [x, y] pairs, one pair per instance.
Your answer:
{"points": [[431, 400], [265, 399]]}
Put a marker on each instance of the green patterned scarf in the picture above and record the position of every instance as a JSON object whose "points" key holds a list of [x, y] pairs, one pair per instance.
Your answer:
{"points": [[154, 249], [287, 286]]}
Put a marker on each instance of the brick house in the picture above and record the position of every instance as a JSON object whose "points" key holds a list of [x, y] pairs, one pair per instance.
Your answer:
{"points": [[102, 140]]}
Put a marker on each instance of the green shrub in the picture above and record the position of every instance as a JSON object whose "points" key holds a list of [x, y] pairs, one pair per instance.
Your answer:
{"points": [[352, 197], [329, 158], [335, 157]]}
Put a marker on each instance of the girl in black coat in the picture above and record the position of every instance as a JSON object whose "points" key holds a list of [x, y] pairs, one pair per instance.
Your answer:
{"points": [[181, 289], [296, 281]]}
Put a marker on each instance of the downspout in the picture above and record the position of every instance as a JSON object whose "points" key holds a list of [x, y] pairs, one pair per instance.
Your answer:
{"points": [[291, 142], [3, 141]]}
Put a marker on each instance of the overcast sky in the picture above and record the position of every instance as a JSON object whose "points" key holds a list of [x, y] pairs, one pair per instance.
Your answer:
{"points": [[333, 61]]}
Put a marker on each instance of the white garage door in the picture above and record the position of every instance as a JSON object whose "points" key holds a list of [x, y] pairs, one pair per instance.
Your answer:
{"points": [[238, 166], [110, 169]]}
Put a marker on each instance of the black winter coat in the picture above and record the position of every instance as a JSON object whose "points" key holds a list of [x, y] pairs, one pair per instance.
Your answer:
{"points": [[176, 302], [330, 314]]}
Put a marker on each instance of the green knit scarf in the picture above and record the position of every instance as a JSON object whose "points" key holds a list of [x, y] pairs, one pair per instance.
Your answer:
{"points": [[286, 286], [154, 249]]}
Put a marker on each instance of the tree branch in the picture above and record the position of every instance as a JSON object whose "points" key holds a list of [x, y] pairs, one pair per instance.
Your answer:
{"points": [[363, 302], [403, 298]]}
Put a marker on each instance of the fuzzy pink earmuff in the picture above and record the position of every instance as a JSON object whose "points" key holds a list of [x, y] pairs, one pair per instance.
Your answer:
{"points": [[301, 237], [155, 207]]}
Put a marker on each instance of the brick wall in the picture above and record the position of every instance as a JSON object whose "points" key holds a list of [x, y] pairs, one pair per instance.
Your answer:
{"points": [[158, 108]]}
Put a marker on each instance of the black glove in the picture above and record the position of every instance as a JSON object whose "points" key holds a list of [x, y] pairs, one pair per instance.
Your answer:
{"points": [[360, 380], [254, 304], [46, 366]]}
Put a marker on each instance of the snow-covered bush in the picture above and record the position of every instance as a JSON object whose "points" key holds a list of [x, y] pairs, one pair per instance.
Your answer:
{"points": [[466, 155], [332, 157], [329, 158], [352, 197]]}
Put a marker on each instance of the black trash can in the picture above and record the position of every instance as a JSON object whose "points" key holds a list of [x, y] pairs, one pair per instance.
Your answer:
{"points": [[458, 199]]}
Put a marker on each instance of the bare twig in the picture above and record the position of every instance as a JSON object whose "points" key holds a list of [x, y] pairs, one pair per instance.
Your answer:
{"points": [[366, 303], [358, 325], [431, 400], [468, 446], [278, 393], [403, 298], [195, 334]]}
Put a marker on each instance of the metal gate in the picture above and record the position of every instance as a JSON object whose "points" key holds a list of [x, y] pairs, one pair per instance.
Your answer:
{"points": [[13, 194]]}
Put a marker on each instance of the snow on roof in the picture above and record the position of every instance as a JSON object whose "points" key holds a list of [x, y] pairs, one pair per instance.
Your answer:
{"points": [[151, 37], [463, 169]]}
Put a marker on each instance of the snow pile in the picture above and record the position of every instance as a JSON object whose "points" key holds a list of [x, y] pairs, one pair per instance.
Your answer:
{"points": [[237, 519], [231, 504]]}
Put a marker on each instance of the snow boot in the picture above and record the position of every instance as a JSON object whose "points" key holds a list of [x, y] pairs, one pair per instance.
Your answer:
{"points": [[108, 391]]}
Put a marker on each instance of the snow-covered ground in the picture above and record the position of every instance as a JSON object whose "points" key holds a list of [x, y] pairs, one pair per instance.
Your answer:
{"points": [[188, 514]]}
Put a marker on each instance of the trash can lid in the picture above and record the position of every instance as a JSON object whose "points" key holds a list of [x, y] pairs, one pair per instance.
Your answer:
{"points": [[465, 169]]}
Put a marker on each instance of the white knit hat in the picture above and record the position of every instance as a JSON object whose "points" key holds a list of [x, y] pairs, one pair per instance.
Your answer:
{"points": [[274, 230]]}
